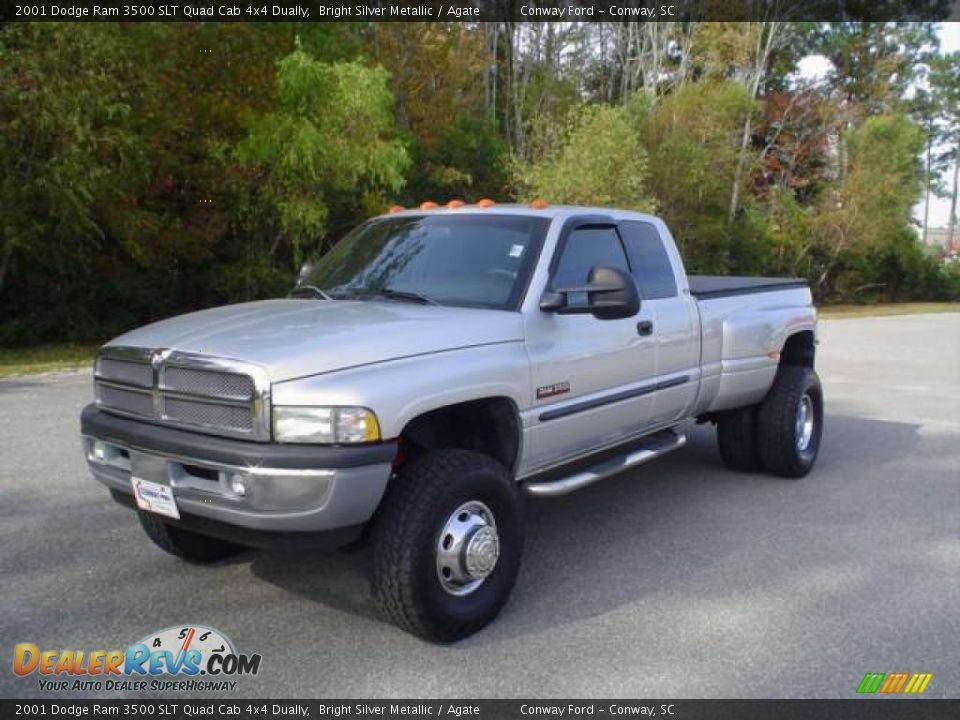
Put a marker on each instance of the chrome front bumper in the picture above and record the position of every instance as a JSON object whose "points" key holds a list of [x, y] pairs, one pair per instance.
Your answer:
{"points": [[326, 492]]}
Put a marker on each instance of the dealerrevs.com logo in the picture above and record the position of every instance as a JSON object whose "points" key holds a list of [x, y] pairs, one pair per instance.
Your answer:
{"points": [[182, 658]]}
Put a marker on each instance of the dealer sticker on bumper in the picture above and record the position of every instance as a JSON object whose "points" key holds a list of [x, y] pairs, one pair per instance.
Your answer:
{"points": [[155, 497]]}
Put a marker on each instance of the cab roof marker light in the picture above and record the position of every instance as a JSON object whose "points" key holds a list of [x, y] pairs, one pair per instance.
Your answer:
{"points": [[485, 203], [396, 208], [428, 205], [454, 204], [539, 204]]}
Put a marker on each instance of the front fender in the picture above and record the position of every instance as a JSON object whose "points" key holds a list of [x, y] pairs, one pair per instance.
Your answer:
{"points": [[400, 390]]}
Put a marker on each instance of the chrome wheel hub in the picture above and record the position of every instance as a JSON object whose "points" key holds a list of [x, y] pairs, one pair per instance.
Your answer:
{"points": [[468, 548], [805, 418]]}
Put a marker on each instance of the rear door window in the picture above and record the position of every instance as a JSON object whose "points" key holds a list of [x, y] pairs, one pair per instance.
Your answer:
{"points": [[584, 249], [648, 256]]}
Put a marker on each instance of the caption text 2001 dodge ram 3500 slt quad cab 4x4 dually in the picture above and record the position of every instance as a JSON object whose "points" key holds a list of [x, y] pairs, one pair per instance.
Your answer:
{"points": [[427, 373]]}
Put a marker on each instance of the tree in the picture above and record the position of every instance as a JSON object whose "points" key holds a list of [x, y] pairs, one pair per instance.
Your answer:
{"points": [[694, 146], [945, 85], [874, 62], [65, 145], [329, 134], [926, 109], [436, 73], [468, 160], [598, 159], [873, 204]]}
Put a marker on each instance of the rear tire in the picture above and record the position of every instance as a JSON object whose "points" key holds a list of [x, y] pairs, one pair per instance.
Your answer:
{"points": [[791, 422], [465, 502], [737, 438], [185, 544]]}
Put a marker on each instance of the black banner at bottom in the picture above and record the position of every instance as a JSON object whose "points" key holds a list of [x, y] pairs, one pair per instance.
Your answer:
{"points": [[874, 709]]}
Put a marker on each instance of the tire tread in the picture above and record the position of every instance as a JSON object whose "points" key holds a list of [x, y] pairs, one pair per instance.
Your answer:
{"points": [[399, 527], [776, 421]]}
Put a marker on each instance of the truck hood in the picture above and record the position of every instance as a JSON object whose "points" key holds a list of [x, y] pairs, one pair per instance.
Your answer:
{"points": [[296, 338]]}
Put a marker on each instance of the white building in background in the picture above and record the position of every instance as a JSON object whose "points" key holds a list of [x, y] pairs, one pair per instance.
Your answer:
{"points": [[940, 238]]}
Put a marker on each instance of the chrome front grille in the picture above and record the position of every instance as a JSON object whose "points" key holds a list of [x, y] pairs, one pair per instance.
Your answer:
{"points": [[229, 386], [128, 401], [211, 415], [128, 372], [212, 395]]}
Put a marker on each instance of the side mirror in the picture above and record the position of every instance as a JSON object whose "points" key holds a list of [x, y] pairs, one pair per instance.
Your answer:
{"points": [[305, 270], [611, 295]]}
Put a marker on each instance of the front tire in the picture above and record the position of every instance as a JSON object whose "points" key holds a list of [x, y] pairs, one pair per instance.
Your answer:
{"points": [[447, 544], [185, 544], [791, 422]]}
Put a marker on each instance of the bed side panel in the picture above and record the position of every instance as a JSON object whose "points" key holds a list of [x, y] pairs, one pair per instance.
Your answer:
{"points": [[742, 335]]}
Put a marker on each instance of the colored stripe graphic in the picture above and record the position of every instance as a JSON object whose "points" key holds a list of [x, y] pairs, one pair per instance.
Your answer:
{"points": [[894, 683], [918, 683], [870, 683]]}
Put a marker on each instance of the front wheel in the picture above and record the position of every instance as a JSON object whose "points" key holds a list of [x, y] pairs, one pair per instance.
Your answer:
{"points": [[447, 544], [791, 422]]}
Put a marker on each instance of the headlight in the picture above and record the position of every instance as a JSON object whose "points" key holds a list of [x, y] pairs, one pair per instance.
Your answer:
{"points": [[330, 425]]}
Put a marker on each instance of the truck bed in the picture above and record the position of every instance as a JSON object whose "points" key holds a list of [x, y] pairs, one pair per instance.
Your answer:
{"points": [[705, 287]]}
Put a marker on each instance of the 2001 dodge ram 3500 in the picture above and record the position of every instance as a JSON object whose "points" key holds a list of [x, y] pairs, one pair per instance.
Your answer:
{"points": [[427, 373]]}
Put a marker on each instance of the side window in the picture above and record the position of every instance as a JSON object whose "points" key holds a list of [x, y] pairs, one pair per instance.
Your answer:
{"points": [[651, 264], [585, 248]]}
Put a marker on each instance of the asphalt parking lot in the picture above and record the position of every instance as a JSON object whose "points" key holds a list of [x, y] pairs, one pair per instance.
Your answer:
{"points": [[679, 579]]}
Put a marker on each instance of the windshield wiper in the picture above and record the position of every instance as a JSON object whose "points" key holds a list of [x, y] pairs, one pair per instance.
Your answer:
{"points": [[391, 294], [407, 295], [311, 290]]}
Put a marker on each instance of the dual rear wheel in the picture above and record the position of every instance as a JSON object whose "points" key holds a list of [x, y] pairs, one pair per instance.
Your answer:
{"points": [[782, 434]]}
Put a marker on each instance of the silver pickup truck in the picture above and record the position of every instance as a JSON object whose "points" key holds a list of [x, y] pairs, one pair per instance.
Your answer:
{"points": [[435, 367]]}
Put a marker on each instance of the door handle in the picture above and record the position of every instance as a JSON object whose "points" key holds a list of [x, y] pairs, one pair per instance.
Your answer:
{"points": [[645, 327]]}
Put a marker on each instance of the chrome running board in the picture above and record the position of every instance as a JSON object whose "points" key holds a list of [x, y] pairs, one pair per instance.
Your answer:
{"points": [[651, 447]]}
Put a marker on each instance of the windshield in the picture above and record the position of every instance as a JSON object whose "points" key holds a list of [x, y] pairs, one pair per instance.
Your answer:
{"points": [[467, 260]]}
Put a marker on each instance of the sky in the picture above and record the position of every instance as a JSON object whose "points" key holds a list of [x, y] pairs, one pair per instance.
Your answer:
{"points": [[817, 65]]}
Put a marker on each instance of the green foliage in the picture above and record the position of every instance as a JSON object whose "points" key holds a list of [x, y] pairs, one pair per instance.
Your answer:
{"points": [[469, 160], [62, 146], [693, 142], [870, 214], [599, 161], [328, 136], [66, 157], [151, 169], [874, 62]]}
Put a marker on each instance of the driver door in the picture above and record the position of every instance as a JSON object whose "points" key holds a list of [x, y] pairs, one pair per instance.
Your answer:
{"points": [[589, 375]]}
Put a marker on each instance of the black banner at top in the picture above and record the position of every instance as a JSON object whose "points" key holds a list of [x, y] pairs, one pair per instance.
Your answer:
{"points": [[487, 709], [474, 709], [477, 10]]}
